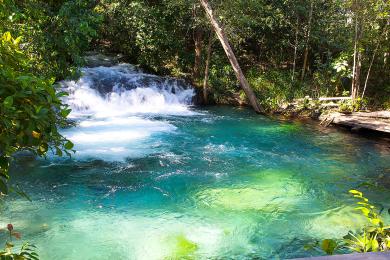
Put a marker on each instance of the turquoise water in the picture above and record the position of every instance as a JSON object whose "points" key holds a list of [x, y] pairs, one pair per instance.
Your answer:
{"points": [[221, 183]]}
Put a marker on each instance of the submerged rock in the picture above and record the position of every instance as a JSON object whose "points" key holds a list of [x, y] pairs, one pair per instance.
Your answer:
{"points": [[94, 59], [269, 191]]}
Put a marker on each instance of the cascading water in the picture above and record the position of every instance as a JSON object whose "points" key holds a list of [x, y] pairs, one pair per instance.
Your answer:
{"points": [[115, 106]]}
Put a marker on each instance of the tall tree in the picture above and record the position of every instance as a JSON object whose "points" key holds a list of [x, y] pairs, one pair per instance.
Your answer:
{"points": [[232, 58], [207, 68], [308, 32], [198, 42]]}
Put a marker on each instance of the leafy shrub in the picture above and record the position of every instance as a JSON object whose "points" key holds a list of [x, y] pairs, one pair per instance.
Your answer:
{"points": [[275, 87], [55, 33], [375, 237], [30, 109], [26, 252], [350, 105], [329, 78]]}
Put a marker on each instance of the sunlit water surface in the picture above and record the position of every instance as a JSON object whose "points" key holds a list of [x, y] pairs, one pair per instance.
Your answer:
{"points": [[215, 183]]}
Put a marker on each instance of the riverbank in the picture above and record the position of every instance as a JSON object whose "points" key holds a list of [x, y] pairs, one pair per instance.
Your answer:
{"points": [[327, 111]]}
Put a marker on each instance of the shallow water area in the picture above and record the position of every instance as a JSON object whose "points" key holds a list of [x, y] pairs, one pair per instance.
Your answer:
{"points": [[173, 181]]}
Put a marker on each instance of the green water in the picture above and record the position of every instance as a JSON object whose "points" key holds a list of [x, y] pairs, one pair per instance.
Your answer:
{"points": [[221, 184]]}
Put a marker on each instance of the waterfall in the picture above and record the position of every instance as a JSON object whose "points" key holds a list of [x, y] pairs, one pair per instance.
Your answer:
{"points": [[124, 90], [116, 109]]}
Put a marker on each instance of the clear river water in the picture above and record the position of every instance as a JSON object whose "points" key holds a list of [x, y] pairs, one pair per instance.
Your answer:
{"points": [[156, 178]]}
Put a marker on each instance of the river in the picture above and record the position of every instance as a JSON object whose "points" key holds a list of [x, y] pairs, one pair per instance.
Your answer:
{"points": [[157, 178]]}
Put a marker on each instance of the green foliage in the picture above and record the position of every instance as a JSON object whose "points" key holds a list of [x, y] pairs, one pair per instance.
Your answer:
{"points": [[160, 36], [330, 77], [26, 252], [52, 36], [55, 33], [350, 105], [329, 246], [150, 33], [30, 109], [274, 87], [375, 237]]}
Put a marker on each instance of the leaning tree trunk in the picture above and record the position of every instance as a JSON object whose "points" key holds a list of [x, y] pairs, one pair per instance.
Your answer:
{"points": [[232, 58], [207, 68]]}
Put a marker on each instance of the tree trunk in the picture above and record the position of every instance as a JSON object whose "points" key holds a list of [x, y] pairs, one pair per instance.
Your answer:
{"points": [[308, 32], [232, 58], [198, 35], [295, 49], [369, 68], [387, 53], [356, 62], [206, 72]]}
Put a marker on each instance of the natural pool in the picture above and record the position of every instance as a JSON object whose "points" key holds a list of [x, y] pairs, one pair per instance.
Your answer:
{"points": [[216, 183]]}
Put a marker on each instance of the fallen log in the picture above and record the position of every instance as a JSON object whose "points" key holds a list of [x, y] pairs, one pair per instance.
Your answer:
{"points": [[324, 98], [377, 114]]}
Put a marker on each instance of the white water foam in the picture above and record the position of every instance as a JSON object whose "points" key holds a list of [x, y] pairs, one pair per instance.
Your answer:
{"points": [[113, 106]]}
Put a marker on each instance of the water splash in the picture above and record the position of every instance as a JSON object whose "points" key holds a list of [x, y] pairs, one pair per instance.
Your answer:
{"points": [[123, 90], [115, 106]]}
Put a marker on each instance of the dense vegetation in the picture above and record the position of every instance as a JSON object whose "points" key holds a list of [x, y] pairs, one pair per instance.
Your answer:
{"points": [[287, 49], [42, 41]]}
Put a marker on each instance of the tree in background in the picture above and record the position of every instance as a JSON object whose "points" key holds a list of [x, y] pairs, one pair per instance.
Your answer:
{"points": [[54, 33], [272, 40]]}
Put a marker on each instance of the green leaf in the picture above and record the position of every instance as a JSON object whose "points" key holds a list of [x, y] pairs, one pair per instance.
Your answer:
{"points": [[7, 36], [58, 152], [329, 245], [374, 245], [376, 221], [69, 145], [8, 101], [17, 40], [356, 192], [62, 94], [65, 112], [43, 148], [370, 229], [364, 210]]}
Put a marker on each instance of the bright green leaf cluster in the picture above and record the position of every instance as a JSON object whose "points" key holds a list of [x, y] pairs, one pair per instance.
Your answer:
{"points": [[30, 109], [374, 237]]}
